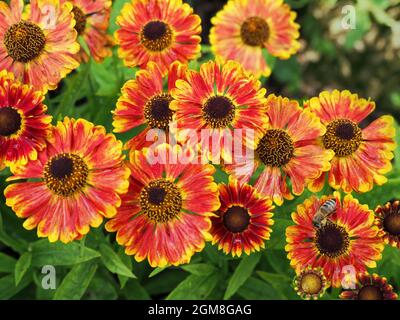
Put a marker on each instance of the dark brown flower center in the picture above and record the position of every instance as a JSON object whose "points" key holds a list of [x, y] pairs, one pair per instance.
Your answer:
{"points": [[254, 31], [370, 293], [276, 148], [80, 19], [332, 240], [24, 41], [218, 112], [236, 219], [156, 35], [157, 111], [10, 121], [66, 174], [343, 137], [311, 283], [391, 223], [161, 201]]}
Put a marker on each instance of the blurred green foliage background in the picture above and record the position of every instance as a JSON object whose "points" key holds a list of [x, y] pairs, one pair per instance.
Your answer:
{"points": [[364, 60]]}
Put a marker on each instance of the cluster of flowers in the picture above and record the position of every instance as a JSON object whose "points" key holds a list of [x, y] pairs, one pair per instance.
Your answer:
{"points": [[74, 174]]}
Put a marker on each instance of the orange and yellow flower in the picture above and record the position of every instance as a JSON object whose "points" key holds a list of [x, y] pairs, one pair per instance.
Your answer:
{"points": [[310, 283], [145, 104], [159, 31], [220, 99], [387, 218], [92, 21], [285, 149], [248, 30], [347, 239], [370, 287], [165, 215], [77, 180], [38, 44], [362, 155], [243, 221], [24, 125]]}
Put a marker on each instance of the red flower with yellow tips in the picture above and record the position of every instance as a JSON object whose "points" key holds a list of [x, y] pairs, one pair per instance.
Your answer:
{"points": [[286, 151], [92, 21], [159, 31], [219, 99], [243, 221], [244, 30], [370, 287], [79, 178], [24, 125], [145, 102], [165, 215], [387, 218], [38, 44], [349, 238], [362, 155]]}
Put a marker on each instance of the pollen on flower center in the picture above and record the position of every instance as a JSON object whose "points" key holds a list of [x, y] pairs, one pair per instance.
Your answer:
{"points": [[157, 111], [156, 35], [370, 293], [236, 219], [10, 121], [254, 31], [276, 148], [311, 283], [218, 112], [80, 19], [343, 137], [161, 201], [66, 174], [332, 240], [24, 41]]}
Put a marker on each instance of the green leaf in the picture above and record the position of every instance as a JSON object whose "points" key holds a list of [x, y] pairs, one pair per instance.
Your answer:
{"points": [[194, 287], [113, 262], [60, 254], [22, 266], [241, 274], [7, 263], [270, 59], [8, 289], [255, 289], [280, 282], [75, 283], [101, 288], [134, 291], [127, 260], [17, 245], [278, 238], [199, 269], [156, 271]]}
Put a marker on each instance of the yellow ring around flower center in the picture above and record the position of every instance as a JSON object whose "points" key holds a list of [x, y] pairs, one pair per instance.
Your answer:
{"points": [[218, 112], [10, 121], [24, 41], [156, 36], [157, 111], [343, 137], [66, 174], [254, 31], [161, 201], [311, 283], [275, 148]]}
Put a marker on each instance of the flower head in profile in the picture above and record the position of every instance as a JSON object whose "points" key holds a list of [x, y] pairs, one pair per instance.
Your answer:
{"points": [[370, 287], [310, 283], [159, 31], [287, 151], [243, 221], [165, 215], [38, 44], [348, 238], [24, 125], [75, 182], [218, 102], [248, 30], [92, 21], [387, 218], [362, 155], [145, 102]]}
